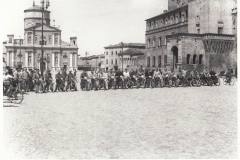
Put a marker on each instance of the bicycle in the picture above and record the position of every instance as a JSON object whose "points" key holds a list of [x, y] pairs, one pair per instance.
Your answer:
{"points": [[228, 81], [12, 92]]}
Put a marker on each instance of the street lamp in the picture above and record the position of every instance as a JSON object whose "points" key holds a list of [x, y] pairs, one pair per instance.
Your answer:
{"points": [[42, 43], [122, 45]]}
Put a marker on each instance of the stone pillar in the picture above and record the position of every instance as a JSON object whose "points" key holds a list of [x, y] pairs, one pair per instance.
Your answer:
{"points": [[26, 59], [53, 40], [59, 59], [12, 56], [8, 57], [76, 57], [53, 60], [32, 60], [180, 52], [71, 60]]}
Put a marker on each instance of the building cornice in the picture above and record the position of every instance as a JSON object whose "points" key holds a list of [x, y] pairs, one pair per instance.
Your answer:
{"points": [[165, 28], [205, 36], [39, 47], [167, 13]]}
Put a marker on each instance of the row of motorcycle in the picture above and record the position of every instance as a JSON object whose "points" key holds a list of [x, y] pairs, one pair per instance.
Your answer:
{"points": [[120, 82]]}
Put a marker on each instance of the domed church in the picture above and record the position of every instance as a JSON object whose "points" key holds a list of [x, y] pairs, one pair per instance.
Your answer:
{"points": [[27, 52]]}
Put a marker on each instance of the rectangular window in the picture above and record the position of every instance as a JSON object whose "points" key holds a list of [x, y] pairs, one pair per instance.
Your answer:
{"points": [[35, 39], [198, 30], [106, 61], [154, 61], [220, 30], [29, 37], [148, 61], [106, 53], [29, 59], [50, 39], [112, 62], [56, 59], [159, 41], [44, 41], [148, 43], [159, 61], [10, 40], [165, 60], [55, 38], [116, 62]]}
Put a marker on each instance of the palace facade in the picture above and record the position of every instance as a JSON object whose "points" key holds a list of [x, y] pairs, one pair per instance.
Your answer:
{"points": [[91, 62], [27, 52], [193, 33], [132, 57]]}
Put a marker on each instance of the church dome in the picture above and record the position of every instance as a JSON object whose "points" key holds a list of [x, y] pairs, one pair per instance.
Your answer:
{"points": [[33, 16]]}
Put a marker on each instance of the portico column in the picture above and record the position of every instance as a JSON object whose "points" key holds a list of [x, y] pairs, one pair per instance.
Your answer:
{"points": [[26, 59], [12, 59], [32, 60], [59, 59], [53, 60], [8, 57], [76, 57], [71, 56], [53, 40]]}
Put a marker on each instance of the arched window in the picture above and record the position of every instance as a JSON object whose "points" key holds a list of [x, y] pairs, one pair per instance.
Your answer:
{"points": [[194, 59], [188, 58], [200, 58]]}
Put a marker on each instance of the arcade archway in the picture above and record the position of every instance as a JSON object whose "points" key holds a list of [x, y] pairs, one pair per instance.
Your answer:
{"points": [[175, 56]]}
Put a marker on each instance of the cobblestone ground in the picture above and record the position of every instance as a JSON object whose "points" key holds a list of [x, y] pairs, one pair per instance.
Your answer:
{"points": [[138, 123]]}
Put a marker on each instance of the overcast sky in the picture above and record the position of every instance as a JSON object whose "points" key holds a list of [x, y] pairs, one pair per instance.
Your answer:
{"points": [[96, 23]]}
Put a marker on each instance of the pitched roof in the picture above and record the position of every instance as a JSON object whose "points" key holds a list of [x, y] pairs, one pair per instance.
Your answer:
{"points": [[133, 52], [44, 25], [126, 45], [93, 57]]}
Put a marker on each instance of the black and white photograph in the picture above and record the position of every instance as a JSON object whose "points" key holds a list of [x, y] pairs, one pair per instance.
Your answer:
{"points": [[119, 79]]}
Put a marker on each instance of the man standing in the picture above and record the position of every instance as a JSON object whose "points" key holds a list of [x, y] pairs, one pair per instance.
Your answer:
{"points": [[58, 78], [70, 82], [36, 80], [48, 81]]}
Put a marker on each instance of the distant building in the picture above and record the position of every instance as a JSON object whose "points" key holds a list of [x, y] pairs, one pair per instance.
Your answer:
{"points": [[132, 57], [26, 52], [192, 33], [91, 62]]}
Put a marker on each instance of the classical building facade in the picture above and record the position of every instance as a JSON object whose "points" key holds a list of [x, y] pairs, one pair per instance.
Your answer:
{"points": [[92, 62], [27, 52], [132, 57], [192, 33]]}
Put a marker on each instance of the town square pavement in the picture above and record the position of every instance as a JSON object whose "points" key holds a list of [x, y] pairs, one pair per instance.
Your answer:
{"points": [[134, 123]]}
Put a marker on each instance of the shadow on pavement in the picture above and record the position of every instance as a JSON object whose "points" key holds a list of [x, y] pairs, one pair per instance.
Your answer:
{"points": [[9, 105]]}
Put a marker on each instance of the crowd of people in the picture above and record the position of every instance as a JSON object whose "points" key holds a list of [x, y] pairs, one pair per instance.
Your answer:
{"points": [[149, 78], [62, 81], [33, 81]]}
